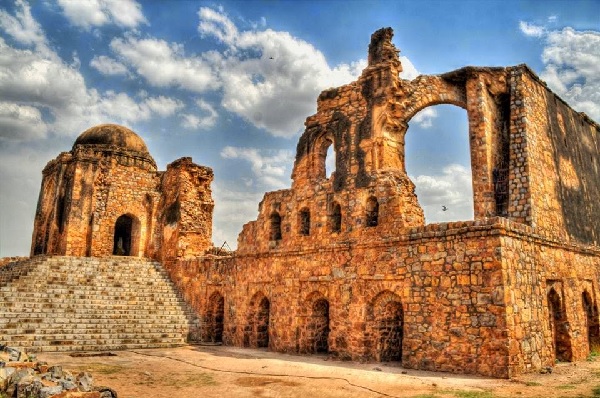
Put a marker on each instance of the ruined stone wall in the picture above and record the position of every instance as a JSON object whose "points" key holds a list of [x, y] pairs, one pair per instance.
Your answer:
{"points": [[446, 278], [100, 199], [563, 157], [533, 265], [184, 214]]}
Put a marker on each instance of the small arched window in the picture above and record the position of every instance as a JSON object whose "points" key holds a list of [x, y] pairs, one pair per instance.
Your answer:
{"points": [[336, 218], [304, 222], [275, 226], [372, 212]]}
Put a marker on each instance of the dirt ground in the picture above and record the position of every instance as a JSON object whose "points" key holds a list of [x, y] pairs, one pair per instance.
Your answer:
{"points": [[200, 371]]}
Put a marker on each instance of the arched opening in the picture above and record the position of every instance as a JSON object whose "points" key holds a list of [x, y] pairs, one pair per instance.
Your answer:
{"points": [[438, 161], [372, 212], [262, 323], [275, 233], [389, 323], [559, 328], [336, 218], [125, 241], [304, 222], [329, 160], [256, 332], [592, 324], [318, 326], [213, 321]]}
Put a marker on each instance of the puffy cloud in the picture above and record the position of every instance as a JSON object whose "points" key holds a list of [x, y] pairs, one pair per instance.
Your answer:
{"points": [[164, 64], [572, 60], [108, 66], [531, 29], [572, 65], [192, 121], [233, 208], [425, 117], [89, 13], [21, 122], [452, 188], [217, 24], [271, 78], [23, 28], [268, 166]]}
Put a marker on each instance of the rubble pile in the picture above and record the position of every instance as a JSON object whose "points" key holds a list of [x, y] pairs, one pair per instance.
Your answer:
{"points": [[22, 376]]}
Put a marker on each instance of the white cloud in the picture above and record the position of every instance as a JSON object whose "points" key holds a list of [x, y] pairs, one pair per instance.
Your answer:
{"points": [[268, 166], [453, 189], [108, 66], [217, 24], [572, 68], [270, 78], [193, 121], [164, 64], [23, 28], [89, 13], [531, 30], [409, 71], [425, 117], [21, 122]]}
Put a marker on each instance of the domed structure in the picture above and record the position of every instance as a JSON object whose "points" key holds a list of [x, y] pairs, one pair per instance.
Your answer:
{"points": [[112, 135]]}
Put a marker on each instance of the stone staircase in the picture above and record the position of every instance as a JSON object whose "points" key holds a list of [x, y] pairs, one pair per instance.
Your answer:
{"points": [[91, 304]]}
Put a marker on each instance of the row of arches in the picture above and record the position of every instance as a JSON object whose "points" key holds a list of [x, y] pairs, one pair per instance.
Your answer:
{"points": [[334, 222], [559, 324], [385, 317]]}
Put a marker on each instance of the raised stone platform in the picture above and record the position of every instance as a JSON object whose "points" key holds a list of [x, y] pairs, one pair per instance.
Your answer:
{"points": [[83, 303]]}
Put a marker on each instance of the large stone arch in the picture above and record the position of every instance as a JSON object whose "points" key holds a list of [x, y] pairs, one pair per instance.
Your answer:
{"points": [[484, 94]]}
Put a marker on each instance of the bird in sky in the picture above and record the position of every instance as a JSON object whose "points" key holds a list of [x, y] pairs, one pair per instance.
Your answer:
{"points": [[444, 208]]}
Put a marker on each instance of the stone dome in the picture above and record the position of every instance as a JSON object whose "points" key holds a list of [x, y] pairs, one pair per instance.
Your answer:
{"points": [[112, 135]]}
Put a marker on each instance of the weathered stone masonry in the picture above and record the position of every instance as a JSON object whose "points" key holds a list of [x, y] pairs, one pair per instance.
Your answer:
{"points": [[344, 264]]}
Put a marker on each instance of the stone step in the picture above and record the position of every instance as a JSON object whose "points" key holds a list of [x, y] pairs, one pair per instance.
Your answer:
{"points": [[100, 347], [65, 304]]}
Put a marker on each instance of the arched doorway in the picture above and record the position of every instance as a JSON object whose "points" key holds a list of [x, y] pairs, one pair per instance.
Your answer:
{"points": [[319, 326], [256, 333], [559, 328], [213, 321], [126, 236], [592, 323], [389, 323], [385, 328]]}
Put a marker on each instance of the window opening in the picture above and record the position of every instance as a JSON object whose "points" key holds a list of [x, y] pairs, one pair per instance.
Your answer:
{"points": [[330, 161], [372, 212], [304, 222], [275, 226], [336, 218]]}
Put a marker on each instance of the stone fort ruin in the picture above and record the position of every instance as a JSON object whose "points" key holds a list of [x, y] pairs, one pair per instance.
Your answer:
{"points": [[341, 264]]}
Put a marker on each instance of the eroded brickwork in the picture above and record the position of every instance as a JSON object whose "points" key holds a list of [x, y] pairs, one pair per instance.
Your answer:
{"points": [[105, 197], [344, 264]]}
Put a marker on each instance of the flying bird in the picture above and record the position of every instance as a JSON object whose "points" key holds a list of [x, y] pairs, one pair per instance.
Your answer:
{"points": [[444, 208]]}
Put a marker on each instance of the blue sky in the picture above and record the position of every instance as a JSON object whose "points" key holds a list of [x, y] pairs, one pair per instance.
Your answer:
{"points": [[196, 78]]}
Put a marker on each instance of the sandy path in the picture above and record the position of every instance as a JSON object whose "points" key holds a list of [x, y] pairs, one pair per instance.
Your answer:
{"points": [[222, 372]]}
